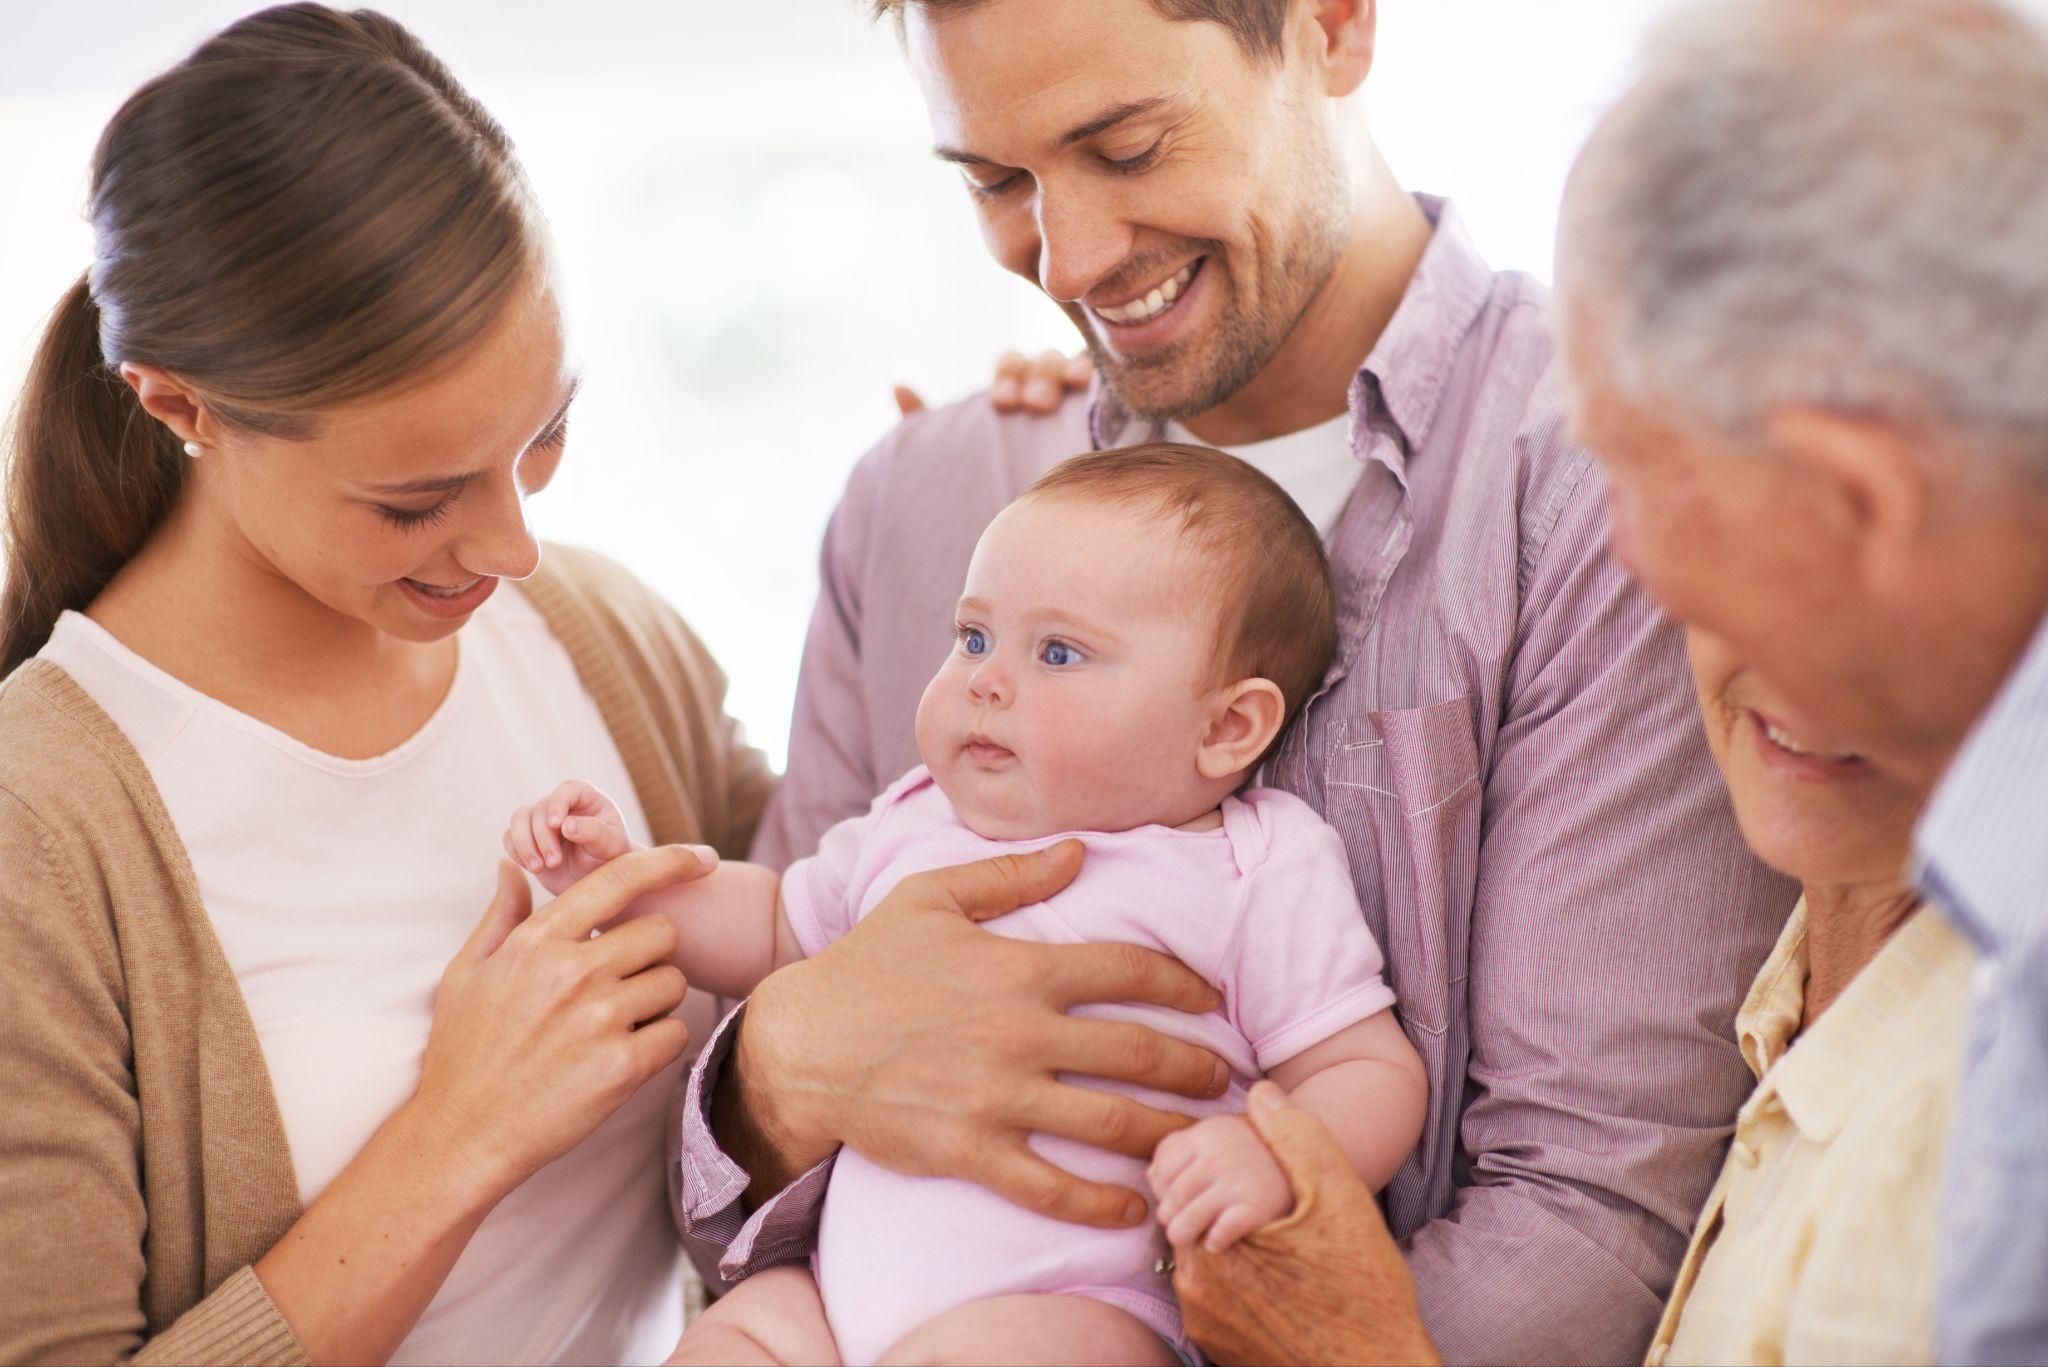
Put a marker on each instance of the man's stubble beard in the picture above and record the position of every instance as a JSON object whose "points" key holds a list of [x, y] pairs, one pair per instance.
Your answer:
{"points": [[1199, 373]]}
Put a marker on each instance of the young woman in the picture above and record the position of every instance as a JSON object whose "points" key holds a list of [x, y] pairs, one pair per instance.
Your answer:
{"points": [[274, 1092]]}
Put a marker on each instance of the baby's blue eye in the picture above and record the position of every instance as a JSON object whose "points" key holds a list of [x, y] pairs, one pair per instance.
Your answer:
{"points": [[1057, 653], [973, 642]]}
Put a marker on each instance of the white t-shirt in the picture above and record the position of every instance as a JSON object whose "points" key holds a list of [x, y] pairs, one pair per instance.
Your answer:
{"points": [[340, 889], [1316, 466]]}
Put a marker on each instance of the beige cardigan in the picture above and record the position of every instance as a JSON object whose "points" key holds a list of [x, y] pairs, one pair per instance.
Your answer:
{"points": [[143, 1165]]}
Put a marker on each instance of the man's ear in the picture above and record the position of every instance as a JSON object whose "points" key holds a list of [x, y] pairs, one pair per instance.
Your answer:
{"points": [[1869, 480], [1347, 29], [1247, 716]]}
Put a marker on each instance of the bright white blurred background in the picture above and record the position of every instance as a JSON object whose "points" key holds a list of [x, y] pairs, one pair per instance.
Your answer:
{"points": [[758, 244]]}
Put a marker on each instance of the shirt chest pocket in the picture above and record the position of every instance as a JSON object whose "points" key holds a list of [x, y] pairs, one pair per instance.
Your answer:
{"points": [[1403, 789]]}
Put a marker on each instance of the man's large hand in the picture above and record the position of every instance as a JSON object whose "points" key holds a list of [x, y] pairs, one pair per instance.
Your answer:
{"points": [[1325, 1284], [930, 1046]]}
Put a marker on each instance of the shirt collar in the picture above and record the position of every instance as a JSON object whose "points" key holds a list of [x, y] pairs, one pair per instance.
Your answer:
{"points": [[1978, 846], [1825, 1078], [1776, 1003], [1409, 368]]}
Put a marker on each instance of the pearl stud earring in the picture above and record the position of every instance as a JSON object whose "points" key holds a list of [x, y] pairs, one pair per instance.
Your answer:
{"points": [[192, 449]]}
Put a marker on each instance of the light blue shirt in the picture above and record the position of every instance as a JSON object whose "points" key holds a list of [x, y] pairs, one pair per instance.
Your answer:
{"points": [[1983, 854]]}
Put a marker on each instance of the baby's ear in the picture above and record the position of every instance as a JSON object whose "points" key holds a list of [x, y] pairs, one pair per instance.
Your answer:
{"points": [[1246, 717]]}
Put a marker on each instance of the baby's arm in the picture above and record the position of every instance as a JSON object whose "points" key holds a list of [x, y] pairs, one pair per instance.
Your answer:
{"points": [[1216, 1182], [731, 930]]}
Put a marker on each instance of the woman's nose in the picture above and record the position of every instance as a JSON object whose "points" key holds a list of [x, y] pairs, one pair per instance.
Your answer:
{"points": [[500, 542]]}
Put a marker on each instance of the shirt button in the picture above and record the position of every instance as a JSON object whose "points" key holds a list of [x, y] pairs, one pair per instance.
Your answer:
{"points": [[1745, 1154]]}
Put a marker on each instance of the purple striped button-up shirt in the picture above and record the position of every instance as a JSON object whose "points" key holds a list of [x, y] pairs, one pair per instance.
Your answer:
{"points": [[1509, 745]]}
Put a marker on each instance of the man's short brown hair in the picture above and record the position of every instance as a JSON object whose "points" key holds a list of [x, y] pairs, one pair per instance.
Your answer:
{"points": [[1268, 579], [1256, 24]]}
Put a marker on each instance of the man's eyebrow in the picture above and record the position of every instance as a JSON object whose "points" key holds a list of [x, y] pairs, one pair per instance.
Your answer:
{"points": [[1101, 123], [441, 484]]}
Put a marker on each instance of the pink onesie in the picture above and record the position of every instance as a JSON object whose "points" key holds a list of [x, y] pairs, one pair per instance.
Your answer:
{"points": [[1262, 907]]}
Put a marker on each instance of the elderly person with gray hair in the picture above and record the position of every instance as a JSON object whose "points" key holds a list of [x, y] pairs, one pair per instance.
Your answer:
{"points": [[1803, 286]]}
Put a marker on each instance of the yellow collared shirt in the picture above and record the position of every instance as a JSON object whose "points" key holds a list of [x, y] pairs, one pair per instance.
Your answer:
{"points": [[1817, 1244]]}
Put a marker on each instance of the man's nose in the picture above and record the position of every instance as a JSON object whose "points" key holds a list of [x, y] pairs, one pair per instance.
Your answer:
{"points": [[1081, 239]]}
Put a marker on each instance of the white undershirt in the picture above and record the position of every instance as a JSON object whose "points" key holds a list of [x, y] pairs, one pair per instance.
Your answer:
{"points": [[340, 889], [1315, 466]]}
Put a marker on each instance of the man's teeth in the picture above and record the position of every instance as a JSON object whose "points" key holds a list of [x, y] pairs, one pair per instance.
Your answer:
{"points": [[1785, 742], [1154, 302]]}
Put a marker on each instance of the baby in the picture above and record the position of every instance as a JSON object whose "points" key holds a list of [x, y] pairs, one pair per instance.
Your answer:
{"points": [[1136, 630]]}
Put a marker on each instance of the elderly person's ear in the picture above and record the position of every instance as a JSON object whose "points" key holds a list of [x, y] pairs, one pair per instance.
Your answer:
{"points": [[1870, 481]]}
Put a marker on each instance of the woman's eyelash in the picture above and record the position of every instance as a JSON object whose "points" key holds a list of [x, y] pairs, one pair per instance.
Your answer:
{"points": [[553, 437], [411, 520]]}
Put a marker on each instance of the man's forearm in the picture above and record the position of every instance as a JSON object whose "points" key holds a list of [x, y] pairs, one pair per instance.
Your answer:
{"points": [[743, 1122]]}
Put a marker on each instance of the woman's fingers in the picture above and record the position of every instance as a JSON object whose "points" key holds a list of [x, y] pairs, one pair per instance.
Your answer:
{"points": [[1128, 1052], [511, 904], [605, 892], [1080, 370], [649, 994], [633, 945]]}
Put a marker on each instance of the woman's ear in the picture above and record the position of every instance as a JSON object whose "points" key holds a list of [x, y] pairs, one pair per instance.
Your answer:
{"points": [[170, 401], [1247, 716]]}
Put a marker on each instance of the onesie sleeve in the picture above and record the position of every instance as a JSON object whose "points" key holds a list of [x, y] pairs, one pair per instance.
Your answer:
{"points": [[1301, 965], [821, 895]]}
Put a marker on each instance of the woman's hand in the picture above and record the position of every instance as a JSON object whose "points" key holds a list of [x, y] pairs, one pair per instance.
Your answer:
{"points": [[1024, 384], [539, 1033], [930, 1046], [540, 1030], [1326, 1284]]}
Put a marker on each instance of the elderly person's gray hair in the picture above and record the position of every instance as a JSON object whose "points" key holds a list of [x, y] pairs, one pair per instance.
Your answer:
{"points": [[1838, 203]]}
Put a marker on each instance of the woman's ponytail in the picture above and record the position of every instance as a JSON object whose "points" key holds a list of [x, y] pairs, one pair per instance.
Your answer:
{"points": [[90, 477]]}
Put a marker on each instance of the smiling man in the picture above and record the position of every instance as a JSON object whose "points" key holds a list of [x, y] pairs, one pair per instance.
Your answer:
{"points": [[1507, 741]]}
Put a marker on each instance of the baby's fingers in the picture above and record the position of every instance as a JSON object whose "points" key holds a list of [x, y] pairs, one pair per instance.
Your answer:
{"points": [[519, 840], [600, 839], [1193, 1220], [546, 842], [1236, 1221]]}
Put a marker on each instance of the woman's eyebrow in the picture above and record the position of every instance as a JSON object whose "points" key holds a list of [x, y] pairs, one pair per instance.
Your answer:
{"points": [[439, 484]]}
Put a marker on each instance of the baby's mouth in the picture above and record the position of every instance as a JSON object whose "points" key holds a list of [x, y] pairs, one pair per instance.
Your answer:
{"points": [[983, 751]]}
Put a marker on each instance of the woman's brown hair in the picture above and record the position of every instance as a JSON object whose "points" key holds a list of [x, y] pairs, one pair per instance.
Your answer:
{"points": [[307, 211]]}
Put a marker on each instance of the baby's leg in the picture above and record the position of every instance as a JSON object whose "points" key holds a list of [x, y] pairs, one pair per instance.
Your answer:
{"points": [[1054, 1330], [773, 1319]]}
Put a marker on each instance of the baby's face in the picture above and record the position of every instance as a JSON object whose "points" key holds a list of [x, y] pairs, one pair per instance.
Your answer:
{"points": [[1079, 690]]}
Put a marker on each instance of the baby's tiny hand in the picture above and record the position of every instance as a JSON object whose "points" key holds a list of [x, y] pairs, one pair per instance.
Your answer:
{"points": [[567, 834], [1217, 1182]]}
